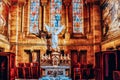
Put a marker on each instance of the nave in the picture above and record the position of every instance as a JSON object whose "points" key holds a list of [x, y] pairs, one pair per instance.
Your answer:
{"points": [[59, 39]]}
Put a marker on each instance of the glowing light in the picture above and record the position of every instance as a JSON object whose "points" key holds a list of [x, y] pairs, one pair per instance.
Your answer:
{"points": [[77, 16], [56, 9], [34, 16]]}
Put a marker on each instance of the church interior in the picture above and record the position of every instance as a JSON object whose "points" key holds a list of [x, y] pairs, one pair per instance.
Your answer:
{"points": [[59, 39]]}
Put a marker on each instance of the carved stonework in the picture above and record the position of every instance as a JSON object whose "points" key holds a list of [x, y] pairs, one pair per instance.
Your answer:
{"points": [[44, 2], [55, 58], [67, 2]]}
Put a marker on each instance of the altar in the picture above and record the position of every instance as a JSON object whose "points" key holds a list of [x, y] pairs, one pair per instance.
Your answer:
{"points": [[56, 70], [56, 65]]}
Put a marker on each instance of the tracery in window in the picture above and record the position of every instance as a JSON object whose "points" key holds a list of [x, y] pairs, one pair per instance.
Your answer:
{"points": [[55, 12], [34, 16], [77, 6]]}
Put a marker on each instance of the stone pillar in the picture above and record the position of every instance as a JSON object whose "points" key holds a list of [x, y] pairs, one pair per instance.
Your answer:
{"points": [[21, 5], [21, 20], [14, 21], [14, 10], [15, 13], [43, 7], [87, 23], [26, 14], [96, 27], [40, 18], [67, 3]]}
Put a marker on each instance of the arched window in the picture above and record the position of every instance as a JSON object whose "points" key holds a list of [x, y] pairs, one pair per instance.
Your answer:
{"points": [[34, 16], [55, 12], [77, 7]]}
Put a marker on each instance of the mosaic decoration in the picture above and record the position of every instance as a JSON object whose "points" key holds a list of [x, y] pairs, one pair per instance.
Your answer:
{"points": [[77, 16], [34, 16], [55, 12]]}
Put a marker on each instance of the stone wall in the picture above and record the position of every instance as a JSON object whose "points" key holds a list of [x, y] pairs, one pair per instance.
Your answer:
{"points": [[21, 39]]}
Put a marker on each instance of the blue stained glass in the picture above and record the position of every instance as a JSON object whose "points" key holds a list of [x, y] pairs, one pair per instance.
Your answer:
{"points": [[56, 8], [77, 16], [76, 5], [57, 17], [34, 16], [77, 19]]}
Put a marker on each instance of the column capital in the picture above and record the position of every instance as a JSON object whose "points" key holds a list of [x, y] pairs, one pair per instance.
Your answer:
{"points": [[67, 2], [44, 2], [20, 2]]}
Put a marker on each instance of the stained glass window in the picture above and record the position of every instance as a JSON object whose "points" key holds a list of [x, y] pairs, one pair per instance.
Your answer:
{"points": [[77, 16], [34, 16], [55, 12]]}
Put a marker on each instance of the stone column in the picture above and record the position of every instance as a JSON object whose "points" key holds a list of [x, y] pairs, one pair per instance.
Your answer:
{"points": [[21, 20], [87, 15], [67, 16], [21, 5], [96, 27], [67, 3], [43, 7], [15, 13]]}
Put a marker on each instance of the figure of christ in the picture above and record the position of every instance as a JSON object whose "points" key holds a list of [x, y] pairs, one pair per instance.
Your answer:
{"points": [[54, 31]]}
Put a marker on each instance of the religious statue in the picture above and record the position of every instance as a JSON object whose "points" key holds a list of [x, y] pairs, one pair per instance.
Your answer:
{"points": [[54, 31]]}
